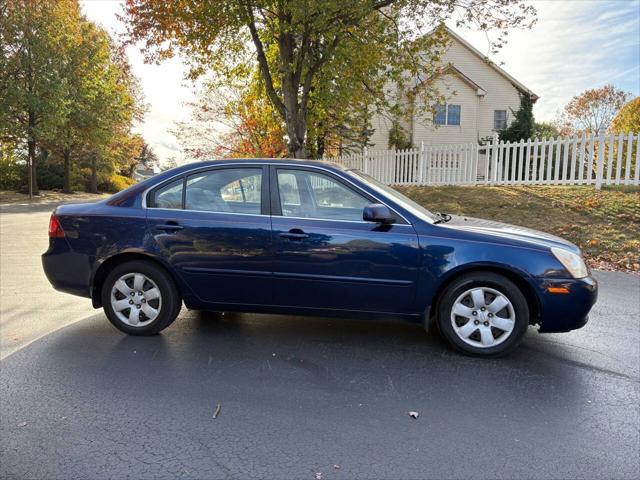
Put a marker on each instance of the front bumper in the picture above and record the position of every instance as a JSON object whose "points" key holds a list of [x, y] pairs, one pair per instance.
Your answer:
{"points": [[561, 312]]}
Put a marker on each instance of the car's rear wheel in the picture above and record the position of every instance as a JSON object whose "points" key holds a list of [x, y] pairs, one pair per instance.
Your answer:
{"points": [[140, 298], [484, 314]]}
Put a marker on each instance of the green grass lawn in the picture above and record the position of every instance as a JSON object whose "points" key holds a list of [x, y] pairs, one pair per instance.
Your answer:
{"points": [[604, 224]]}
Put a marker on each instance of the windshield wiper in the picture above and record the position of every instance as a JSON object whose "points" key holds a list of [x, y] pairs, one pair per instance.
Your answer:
{"points": [[442, 217]]}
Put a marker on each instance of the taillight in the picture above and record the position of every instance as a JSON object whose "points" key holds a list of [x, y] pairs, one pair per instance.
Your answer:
{"points": [[55, 229]]}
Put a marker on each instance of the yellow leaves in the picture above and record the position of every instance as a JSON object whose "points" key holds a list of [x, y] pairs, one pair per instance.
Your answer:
{"points": [[592, 203]]}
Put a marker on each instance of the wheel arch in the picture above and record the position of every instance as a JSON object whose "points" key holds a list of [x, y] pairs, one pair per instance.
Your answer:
{"points": [[519, 278], [110, 263]]}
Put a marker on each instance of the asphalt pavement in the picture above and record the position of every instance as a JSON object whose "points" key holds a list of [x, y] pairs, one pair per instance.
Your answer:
{"points": [[29, 307], [301, 397]]}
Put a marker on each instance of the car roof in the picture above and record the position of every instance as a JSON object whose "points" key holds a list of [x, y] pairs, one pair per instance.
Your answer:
{"points": [[274, 161], [239, 161]]}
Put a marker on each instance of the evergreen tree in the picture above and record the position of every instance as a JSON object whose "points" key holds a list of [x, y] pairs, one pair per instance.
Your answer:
{"points": [[523, 126]]}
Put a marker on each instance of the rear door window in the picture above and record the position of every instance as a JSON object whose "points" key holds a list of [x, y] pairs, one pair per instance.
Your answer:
{"points": [[228, 190], [169, 196]]}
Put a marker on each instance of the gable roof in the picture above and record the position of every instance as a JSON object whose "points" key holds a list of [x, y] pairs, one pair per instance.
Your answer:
{"points": [[451, 69], [518, 85]]}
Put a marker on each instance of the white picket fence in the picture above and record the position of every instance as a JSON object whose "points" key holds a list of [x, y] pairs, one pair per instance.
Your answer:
{"points": [[605, 159]]}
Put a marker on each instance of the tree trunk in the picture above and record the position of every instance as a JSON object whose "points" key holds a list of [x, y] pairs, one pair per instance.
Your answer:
{"points": [[296, 122], [31, 156], [294, 112], [66, 188], [297, 150], [93, 187], [320, 145]]}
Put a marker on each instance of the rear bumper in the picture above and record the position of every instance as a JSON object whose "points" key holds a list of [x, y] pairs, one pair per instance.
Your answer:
{"points": [[67, 271], [568, 311]]}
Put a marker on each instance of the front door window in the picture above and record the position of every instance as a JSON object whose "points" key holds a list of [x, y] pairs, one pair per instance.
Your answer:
{"points": [[306, 194]]}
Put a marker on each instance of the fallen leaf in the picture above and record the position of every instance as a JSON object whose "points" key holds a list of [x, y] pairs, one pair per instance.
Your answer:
{"points": [[217, 411], [414, 414]]}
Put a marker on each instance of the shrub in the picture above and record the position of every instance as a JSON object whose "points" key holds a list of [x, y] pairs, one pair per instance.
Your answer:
{"points": [[11, 169], [49, 174], [114, 183], [398, 137]]}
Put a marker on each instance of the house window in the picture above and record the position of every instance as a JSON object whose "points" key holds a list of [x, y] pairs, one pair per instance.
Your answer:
{"points": [[453, 115], [440, 115], [499, 119], [446, 115]]}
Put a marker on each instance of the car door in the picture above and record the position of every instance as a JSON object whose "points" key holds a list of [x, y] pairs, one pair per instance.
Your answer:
{"points": [[326, 257], [213, 227]]}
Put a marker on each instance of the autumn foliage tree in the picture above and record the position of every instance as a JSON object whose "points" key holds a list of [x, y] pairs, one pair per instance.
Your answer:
{"points": [[628, 121], [32, 35], [310, 52], [100, 102], [235, 121], [67, 94], [592, 111], [628, 118]]}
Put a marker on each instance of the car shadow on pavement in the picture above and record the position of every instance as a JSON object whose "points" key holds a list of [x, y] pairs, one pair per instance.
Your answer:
{"points": [[332, 355], [296, 395]]}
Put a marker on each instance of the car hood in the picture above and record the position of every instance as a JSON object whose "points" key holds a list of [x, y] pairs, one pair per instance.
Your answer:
{"points": [[505, 230]]}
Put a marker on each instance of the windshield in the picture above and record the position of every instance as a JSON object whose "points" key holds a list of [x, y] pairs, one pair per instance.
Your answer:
{"points": [[404, 201]]}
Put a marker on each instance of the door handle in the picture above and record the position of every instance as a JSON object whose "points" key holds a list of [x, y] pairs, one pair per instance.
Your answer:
{"points": [[169, 227], [294, 234]]}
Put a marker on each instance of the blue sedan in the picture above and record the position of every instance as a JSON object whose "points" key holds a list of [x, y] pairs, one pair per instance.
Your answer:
{"points": [[310, 238]]}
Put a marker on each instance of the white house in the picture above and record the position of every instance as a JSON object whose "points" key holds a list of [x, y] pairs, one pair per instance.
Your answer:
{"points": [[479, 98]]}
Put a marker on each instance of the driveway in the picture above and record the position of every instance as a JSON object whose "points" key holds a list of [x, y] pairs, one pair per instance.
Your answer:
{"points": [[303, 396], [29, 307]]}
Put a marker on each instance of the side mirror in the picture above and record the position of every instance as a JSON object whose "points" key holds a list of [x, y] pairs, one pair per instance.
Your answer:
{"points": [[376, 212]]}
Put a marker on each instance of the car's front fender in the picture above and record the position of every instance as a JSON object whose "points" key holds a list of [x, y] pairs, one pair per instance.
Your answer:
{"points": [[446, 258]]}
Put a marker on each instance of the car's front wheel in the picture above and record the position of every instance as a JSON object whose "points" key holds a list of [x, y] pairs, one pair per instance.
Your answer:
{"points": [[484, 314], [140, 298]]}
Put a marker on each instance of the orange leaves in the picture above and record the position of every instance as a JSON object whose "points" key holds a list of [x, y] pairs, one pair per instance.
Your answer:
{"points": [[592, 110]]}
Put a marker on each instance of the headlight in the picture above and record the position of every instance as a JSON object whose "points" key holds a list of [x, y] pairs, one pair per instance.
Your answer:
{"points": [[572, 262]]}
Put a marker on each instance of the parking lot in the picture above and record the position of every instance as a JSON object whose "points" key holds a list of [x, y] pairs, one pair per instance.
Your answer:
{"points": [[300, 397]]}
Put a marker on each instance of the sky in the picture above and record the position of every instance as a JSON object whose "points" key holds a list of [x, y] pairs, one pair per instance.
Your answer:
{"points": [[575, 45]]}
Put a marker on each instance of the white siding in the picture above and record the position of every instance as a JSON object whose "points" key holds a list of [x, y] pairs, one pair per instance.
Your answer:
{"points": [[381, 125], [456, 92], [501, 94], [476, 111]]}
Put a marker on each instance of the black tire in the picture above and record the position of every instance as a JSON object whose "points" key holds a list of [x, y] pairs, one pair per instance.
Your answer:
{"points": [[488, 280], [171, 299]]}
